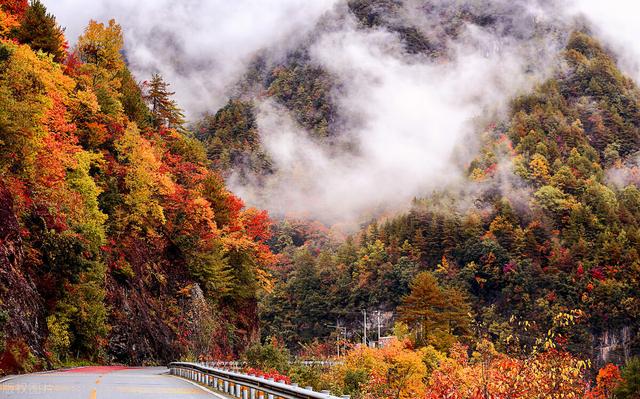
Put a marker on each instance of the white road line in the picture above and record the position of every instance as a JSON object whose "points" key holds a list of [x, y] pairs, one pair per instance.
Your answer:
{"points": [[7, 379], [217, 395]]}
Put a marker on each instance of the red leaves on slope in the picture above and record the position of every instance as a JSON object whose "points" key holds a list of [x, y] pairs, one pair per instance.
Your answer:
{"points": [[15, 7]]}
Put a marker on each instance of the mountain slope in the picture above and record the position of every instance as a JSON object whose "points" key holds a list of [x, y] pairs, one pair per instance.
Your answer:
{"points": [[118, 243], [546, 225]]}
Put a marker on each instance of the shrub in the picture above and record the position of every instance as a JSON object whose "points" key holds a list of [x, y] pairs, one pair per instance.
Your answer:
{"points": [[268, 356], [629, 388]]}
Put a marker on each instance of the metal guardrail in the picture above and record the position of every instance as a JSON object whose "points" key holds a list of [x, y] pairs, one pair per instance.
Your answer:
{"points": [[239, 365], [244, 386]]}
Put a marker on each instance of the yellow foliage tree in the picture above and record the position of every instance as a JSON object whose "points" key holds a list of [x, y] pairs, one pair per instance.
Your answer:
{"points": [[145, 182]]}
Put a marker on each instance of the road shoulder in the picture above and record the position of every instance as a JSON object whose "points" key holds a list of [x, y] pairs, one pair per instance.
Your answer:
{"points": [[216, 394]]}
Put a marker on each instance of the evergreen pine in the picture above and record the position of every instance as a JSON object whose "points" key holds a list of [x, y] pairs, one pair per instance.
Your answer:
{"points": [[164, 110], [40, 30]]}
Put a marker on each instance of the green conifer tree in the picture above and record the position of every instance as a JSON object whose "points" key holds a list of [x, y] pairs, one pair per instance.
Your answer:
{"points": [[40, 30], [164, 110]]}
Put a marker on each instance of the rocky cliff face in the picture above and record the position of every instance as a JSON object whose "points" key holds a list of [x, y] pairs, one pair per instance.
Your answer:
{"points": [[22, 316], [613, 346]]}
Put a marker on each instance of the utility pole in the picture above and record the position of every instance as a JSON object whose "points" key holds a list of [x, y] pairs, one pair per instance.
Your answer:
{"points": [[364, 326], [378, 328], [338, 335], [341, 330]]}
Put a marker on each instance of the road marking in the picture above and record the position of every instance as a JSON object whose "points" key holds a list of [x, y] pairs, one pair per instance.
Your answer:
{"points": [[97, 381], [93, 394], [98, 369], [32, 388], [217, 395], [158, 390], [7, 379]]}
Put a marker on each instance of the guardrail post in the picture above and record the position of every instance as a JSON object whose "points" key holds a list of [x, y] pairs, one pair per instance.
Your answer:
{"points": [[245, 386]]}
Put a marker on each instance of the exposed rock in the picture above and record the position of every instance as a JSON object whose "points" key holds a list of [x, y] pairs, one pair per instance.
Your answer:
{"points": [[22, 306], [613, 346]]}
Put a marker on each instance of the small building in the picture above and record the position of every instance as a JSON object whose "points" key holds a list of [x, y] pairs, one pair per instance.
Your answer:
{"points": [[385, 341]]}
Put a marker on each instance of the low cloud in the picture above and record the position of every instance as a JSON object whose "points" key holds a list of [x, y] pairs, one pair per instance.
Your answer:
{"points": [[413, 120], [202, 47], [616, 23]]}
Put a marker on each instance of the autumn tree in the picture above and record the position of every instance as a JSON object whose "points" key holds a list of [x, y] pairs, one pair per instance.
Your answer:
{"points": [[436, 313], [14, 7], [393, 372], [11, 12], [607, 381], [164, 110], [99, 49], [8, 23], [40, 30], [101, 44], [145, 183]]}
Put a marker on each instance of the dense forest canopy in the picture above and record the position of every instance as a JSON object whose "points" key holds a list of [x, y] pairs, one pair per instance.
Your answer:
{"points": [[116, 234], [460, 178]]}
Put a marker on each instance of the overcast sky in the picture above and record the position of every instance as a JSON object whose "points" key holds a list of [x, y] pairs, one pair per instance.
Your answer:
{"points": [[202, 45]]}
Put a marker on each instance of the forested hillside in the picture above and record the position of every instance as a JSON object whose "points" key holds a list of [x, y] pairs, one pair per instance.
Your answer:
{"points": [[513, 273], [558, 235], [531, 264], [117, 242]]}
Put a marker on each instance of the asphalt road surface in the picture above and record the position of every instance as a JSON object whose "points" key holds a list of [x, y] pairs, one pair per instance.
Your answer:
{"points": [[102, 383]]}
